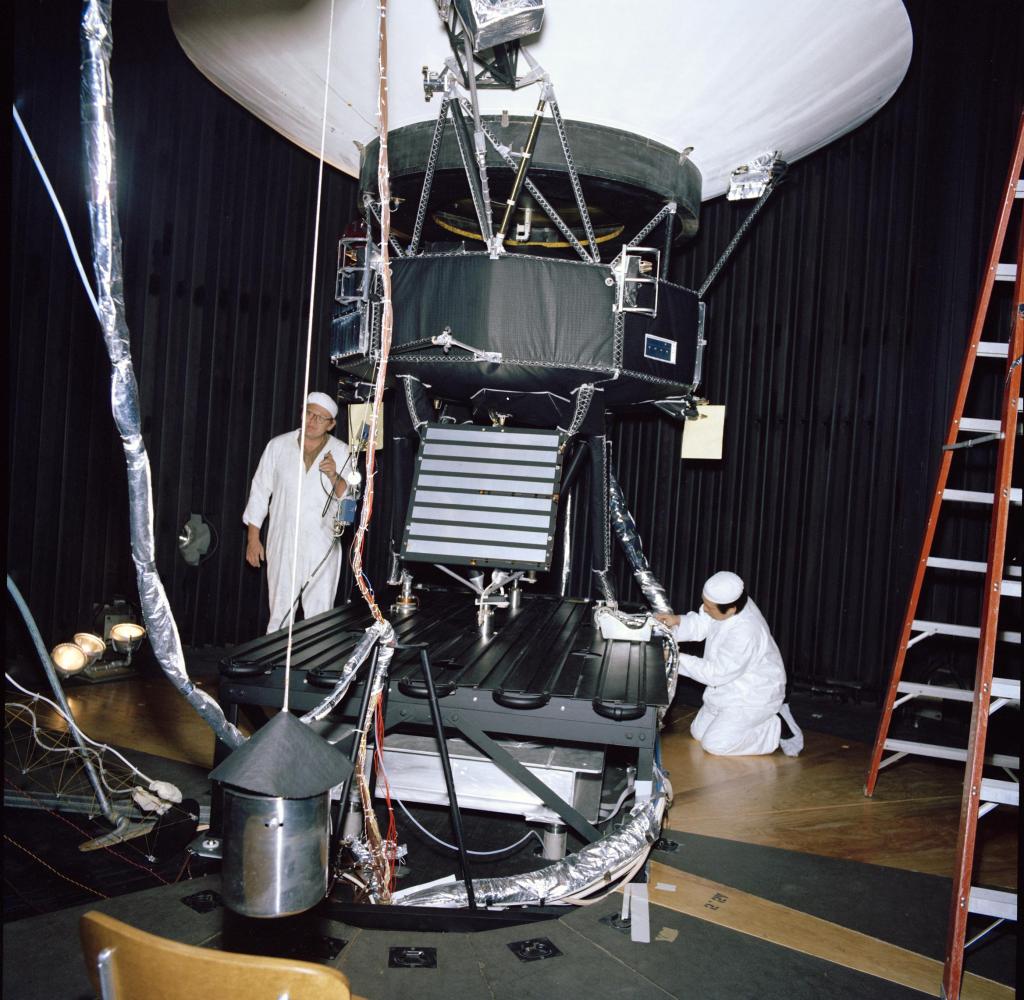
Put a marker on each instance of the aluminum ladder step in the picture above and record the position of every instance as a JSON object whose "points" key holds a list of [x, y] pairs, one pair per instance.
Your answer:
{"points": [[963, 631], [973, 496], [1001, 688], [993, 903], [1008, 588], [992, 349], [1005, 793], [1006, 272], [986, 425], [901, 747]]}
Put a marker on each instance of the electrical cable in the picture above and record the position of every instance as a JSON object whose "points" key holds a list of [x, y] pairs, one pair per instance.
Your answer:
{"points": [[617, 807], [387, 318], [451, 847], [444, 843]]}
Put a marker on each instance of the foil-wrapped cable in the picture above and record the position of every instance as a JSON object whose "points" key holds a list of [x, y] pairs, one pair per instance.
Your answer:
{"points": [[593, 867], [629, 539], [98, 131], [668, 639], [379, 863], [377, 632], [605, 586]]}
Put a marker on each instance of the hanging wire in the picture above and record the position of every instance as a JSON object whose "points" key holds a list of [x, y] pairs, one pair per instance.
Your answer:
{"points": [[60, 213], [300, 468], [384, 191]]}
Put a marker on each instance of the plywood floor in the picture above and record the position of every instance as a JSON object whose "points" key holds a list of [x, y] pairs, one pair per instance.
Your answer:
{"points": [[813, 803]]}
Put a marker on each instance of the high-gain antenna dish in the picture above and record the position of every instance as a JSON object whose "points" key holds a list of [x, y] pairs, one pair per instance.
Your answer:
{"points": [[729, 78]]}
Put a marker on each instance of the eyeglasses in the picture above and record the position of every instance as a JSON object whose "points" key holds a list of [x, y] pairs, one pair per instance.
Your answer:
{"points": [[316, 418]]}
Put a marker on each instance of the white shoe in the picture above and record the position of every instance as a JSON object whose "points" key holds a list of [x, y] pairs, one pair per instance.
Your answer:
{"points": [[791, 746]]}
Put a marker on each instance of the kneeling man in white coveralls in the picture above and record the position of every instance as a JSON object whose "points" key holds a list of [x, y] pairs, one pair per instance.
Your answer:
{"points": [[275, 489], [743, 671]]}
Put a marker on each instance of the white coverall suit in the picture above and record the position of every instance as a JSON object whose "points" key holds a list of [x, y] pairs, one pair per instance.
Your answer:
{"points": [[745, 678], [276, 480]]}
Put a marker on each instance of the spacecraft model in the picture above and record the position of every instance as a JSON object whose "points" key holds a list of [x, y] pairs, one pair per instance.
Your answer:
{"points": [[525, 172]]}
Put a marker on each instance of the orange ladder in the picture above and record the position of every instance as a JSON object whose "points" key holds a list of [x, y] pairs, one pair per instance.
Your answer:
{"points": [[990, 693]]}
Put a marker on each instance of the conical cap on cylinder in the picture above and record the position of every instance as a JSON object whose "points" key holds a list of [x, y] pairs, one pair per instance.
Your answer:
{"points": [[284, 759]]}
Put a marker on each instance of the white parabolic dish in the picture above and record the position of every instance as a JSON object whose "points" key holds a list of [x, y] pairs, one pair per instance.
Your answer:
{"points": [[731, 78]]}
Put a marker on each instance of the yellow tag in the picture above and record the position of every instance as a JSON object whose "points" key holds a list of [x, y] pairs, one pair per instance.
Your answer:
{"points": [[705, 436], [358, 415]]}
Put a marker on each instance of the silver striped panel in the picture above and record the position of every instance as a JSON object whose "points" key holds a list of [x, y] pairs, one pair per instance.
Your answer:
{"points": [[487, 453], [482, 500], [478, 551], [486, 533], [488, 469], [479, 517], [497, 485], [508, 437]]}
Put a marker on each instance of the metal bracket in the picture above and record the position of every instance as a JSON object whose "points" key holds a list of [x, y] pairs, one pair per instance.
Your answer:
{"points": [[636, 266], [446, 342]]}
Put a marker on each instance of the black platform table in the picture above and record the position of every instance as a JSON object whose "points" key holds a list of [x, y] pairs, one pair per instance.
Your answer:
{"points": [[543, 672]]}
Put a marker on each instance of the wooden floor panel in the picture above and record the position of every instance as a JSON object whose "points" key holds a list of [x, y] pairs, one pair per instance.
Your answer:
{"points": [[816, 803], [813, 803], [781, 925]]}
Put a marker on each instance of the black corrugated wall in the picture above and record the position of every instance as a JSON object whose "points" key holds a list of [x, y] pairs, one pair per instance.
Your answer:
{"points": [[217, 218], [835, 337]]}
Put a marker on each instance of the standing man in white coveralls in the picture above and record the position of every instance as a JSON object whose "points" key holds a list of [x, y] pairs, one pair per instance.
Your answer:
{"points": [[275, 489], [743, 671]]}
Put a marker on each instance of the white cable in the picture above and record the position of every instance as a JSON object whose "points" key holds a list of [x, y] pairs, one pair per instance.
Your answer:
{"points": [[309, 351], [75, 726], [617, 808], [443, 843], [452, 847], [60, 212]]}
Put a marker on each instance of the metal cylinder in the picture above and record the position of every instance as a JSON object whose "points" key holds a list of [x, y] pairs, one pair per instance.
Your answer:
{"points": [[275, 853], [554, 842], [352, 827]]}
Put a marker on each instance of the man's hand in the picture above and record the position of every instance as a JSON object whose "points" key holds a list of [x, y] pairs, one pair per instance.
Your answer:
{"points": [[330, 469], [671, 620], [254, 554], [328, 466]]}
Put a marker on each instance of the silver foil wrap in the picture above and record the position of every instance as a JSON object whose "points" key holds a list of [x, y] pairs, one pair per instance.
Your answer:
{"points": [[491, 22], [629, 539], [377, 632], [98, 133], [593, 867], [605, 586]]}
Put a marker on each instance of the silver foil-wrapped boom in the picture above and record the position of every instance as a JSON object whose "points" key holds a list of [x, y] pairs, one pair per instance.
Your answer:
{"points": [[629, 539], [594, 867], [98, 133]]}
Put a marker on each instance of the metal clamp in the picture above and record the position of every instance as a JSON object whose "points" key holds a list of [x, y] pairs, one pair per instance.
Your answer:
{"points": [[446, 342]]}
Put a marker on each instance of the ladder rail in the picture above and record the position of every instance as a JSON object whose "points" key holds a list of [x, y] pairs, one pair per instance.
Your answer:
{"points": [[977, 326], [960, 905]]}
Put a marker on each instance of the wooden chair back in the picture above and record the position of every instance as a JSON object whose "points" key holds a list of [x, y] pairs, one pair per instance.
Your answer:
{"points": [[128, 964]]}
